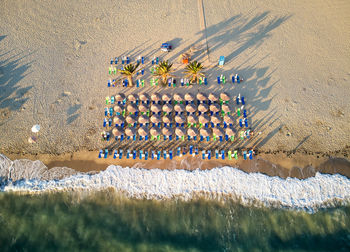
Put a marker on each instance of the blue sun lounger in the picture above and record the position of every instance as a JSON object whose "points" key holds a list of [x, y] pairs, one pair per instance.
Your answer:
{"points": [[152, 154], [109, 83], [245, 155], [246, 122], [240, 123], [223, 155], [127, 60], [142, 60], [146, 155], [170, 154], [250, 154], [245, 113], [123, 61], [115, 154], [104, 122], [108, 136], [209, 154], [178, 153], [106, 153], [237, 100], [157, 60], [208, 138], [242, 99], [221, 61], [203, 154], [120, 154], [116, 60], [182, 82], [191, 149], [238, 79], [111, 111], [169, 83], [134, 154], [159, 154], [106, 111], [196, 151], [110, 122], [216, 154], [140, 154], [127, 154], [112, 61], [164, 154], [100, 154], [218, 79], [205, 81]]}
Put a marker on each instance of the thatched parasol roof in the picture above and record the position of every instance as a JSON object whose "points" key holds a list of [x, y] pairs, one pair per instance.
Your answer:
{"points": [[155, 119], [218, 131], [143, 131], [203, 107], [179, 108], [166, 119], [166, 97], [130, 131], [130, 119], [117, 132], [192, 132], [214, 107], [167, 108], [167, 131], [191, 108], [143, 119], [180, 119], [189, 97], [144, 97], [155, 97], [119, 97], [204, 132], [155, 131], [213, 97], [132, 97], [228, 119], [132, 108], [201, 97], [204, 119], [178, 97], [192, 119], [155, 108], [224, 97], [180, 132], [215, 119], [143, 108], [118, 119]]}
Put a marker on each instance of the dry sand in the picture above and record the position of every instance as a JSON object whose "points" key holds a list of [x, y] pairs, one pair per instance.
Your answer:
{"points": [[294, 57]]}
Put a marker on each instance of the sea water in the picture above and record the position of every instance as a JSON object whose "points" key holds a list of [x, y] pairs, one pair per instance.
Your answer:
{"points": [[123, 209]]}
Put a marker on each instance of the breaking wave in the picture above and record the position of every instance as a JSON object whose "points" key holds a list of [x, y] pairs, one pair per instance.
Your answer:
{"points": [[321, 190]]}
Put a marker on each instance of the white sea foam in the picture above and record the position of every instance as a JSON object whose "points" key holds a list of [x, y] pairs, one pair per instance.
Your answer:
{"points": [[228, 181]]}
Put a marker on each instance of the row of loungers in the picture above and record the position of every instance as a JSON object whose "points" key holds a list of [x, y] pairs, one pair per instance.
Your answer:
{"points": [[158, 154]]}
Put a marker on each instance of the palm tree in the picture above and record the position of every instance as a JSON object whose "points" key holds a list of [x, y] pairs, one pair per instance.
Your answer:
{"points": [[129, 71], [193, 71], [163, 71]]}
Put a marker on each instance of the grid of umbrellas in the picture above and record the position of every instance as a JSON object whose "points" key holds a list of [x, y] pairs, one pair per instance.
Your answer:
{"points": [[165, 117]]}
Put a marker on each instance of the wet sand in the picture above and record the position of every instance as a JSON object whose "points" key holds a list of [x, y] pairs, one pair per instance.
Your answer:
{"points": [[275, 164]]}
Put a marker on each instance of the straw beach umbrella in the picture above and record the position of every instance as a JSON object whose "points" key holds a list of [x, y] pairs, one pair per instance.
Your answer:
{"points": [[203, 119], [118, 119], [203, 108], [213, 97], [155, 119], [225, 108], [117, 132], [155, 108], [143, 131], [189, 97], [224, 97], [119, 97], [201, 97], [118, 109], [179, 119], [214, 108], [178, 97], [192, 132], [228, 119], [218, 131], [166, 131], [179, 108], [230, 132], [166, 119], [130, 119], [143, 119], [132, 108], [205, 132], [166, 97], [155, 131], [167, 108], [130, 131], [132, 97], [180, 132], [143, 108], [155, 97], [215, 119], [191, 108], [144, 97], [192, 119]]}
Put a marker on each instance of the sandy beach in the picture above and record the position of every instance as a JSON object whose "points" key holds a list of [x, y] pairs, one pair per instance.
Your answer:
{"points": [[294, 58]]}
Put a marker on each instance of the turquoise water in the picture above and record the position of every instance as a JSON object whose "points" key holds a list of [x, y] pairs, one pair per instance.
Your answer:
{"points": [[107, 221]]}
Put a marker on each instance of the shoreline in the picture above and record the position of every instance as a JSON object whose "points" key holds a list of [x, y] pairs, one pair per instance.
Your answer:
{"points": [[282, 164]]}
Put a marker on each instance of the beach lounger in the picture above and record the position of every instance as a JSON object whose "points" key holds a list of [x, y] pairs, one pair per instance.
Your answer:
{"points": [[221, 138], [209, 154], [170, 154], [246, 122], [182, 82], [169, 83], [127, 154], [242, 100], [203, 154], [223, 79], [238, 112], [158, 155], [127, 60], [112, 61], [218, 79], [196, 151], [123, 60], [235, 154], [106, 111], [165, 154], [245, 113], [208, 138], [221, 61], [201, 138], [238, 79], [112, 99], [205, 81], [240, 123], [134, 153], [142, 60], [116, 60], [157, 60], [245, 155], [152, 154], [104, 122], [111, 111], [106, 153], [250, 154], [216, 154], [178, 153], [122, 137], [229, 155], [120, 154], [146, 155], [100, 154], [191, 149], [223, 155], [110, 122], [109, 83], [134, 137], [226, 138], [108, 136], [183, 151], [140, 154]]}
